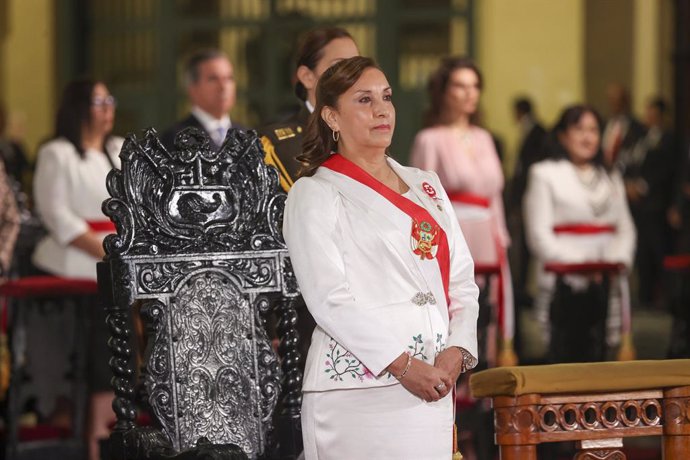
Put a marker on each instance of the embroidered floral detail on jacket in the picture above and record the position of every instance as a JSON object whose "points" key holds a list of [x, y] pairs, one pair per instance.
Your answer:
{"points": [[439, 344], [417, 349], [341, 363]]}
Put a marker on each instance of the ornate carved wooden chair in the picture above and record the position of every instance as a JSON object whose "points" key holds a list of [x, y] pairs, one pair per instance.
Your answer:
{"points": [[199, 252]]}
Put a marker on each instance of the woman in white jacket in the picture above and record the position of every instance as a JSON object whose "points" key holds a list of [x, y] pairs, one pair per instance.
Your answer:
{"points": [[387, 275], [69, 189], [576, 212], [69, 183]]}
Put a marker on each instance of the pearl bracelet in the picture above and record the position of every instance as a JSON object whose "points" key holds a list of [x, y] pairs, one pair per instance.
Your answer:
{"points": [[407, 367]]}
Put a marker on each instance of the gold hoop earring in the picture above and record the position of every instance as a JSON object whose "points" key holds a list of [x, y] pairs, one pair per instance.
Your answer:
{"points": [[336, 136]]}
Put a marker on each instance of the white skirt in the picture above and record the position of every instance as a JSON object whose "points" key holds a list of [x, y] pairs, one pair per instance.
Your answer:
{"points": [[376, 423]]}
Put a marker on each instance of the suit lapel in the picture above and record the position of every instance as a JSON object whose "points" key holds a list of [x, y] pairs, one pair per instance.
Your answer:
{"points": [[391, 221], [416, 182]]}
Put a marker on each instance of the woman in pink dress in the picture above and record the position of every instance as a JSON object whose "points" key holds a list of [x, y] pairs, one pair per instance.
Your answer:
{"points": [[465, 159]]}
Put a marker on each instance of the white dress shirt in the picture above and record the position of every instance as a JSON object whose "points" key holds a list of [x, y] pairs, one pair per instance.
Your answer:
{"points": [[216, 128]]}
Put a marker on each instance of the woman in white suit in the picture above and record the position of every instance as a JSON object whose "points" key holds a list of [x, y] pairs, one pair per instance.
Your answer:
{"points": [[576, 212], [69, 183], [69, 189], [387, 275]]}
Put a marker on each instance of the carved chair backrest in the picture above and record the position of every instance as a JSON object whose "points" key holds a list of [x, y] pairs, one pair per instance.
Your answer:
{"points": [[199, 248]]}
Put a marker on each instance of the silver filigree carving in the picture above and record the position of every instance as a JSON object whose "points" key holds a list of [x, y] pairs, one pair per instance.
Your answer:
{"points": [[251, 272], [199, 248], [215, 345], [194, 200]]}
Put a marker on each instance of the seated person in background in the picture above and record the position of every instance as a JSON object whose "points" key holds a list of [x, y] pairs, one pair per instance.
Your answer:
{"points": [[211, 89], [575, 211], [69, 189], [9, 224]]}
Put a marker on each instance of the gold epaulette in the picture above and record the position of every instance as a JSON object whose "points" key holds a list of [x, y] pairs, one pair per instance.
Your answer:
{"points": [[285, 133], [271, 158]]}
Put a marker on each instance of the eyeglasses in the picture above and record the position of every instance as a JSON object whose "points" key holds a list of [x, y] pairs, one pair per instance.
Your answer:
{"points": [[104, 102]]}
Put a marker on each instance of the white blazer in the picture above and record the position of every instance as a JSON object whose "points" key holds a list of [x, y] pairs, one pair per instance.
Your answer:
{"points": [[69, 192], [371, 297], [555, 195]]}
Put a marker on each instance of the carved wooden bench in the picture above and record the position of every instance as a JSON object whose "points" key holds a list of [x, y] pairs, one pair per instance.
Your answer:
{"points": [[596, 404]]}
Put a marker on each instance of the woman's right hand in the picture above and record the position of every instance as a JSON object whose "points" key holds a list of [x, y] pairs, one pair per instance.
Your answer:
{"points": [[423, 380], [90, 243]]}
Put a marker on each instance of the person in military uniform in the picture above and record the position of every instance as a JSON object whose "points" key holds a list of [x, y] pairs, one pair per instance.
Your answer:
{"points": [[319, 49]]}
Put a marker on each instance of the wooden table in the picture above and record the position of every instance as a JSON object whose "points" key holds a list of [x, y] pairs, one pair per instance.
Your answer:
{"points": [[595, 404]]}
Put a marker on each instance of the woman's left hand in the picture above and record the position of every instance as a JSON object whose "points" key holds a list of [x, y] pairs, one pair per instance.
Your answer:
{"points": [[450, 361]]}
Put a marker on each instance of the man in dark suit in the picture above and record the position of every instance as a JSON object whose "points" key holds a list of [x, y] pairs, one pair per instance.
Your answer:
{"points": [[531, 150], [532, 137], [622, 130], [211, 90], [678, 292], [648, 173]]}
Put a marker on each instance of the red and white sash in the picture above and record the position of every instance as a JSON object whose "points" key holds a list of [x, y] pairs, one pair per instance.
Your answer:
{"points": [[101, 226], [416, 213], [469, 199], [471, 206], [585, 229]]}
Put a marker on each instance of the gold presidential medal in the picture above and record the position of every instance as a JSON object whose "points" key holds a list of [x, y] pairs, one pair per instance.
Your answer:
{"points": [[424, 239]]}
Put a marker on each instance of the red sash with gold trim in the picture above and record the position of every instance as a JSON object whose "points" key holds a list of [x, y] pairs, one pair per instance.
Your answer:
{"points": [[418, 214]]}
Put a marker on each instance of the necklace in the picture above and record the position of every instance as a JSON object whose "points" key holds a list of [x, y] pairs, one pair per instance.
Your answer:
{"points": [[588, 177], [395, 183], [465, 138], [596, 191]]}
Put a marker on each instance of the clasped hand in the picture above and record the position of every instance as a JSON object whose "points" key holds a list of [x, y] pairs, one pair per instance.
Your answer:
{"points": [[428, 382]]}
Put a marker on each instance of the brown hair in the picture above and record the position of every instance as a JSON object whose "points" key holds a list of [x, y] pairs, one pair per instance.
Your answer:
{"points": [[318, 138], [74, 111], [438, 84], [311, 48]]}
